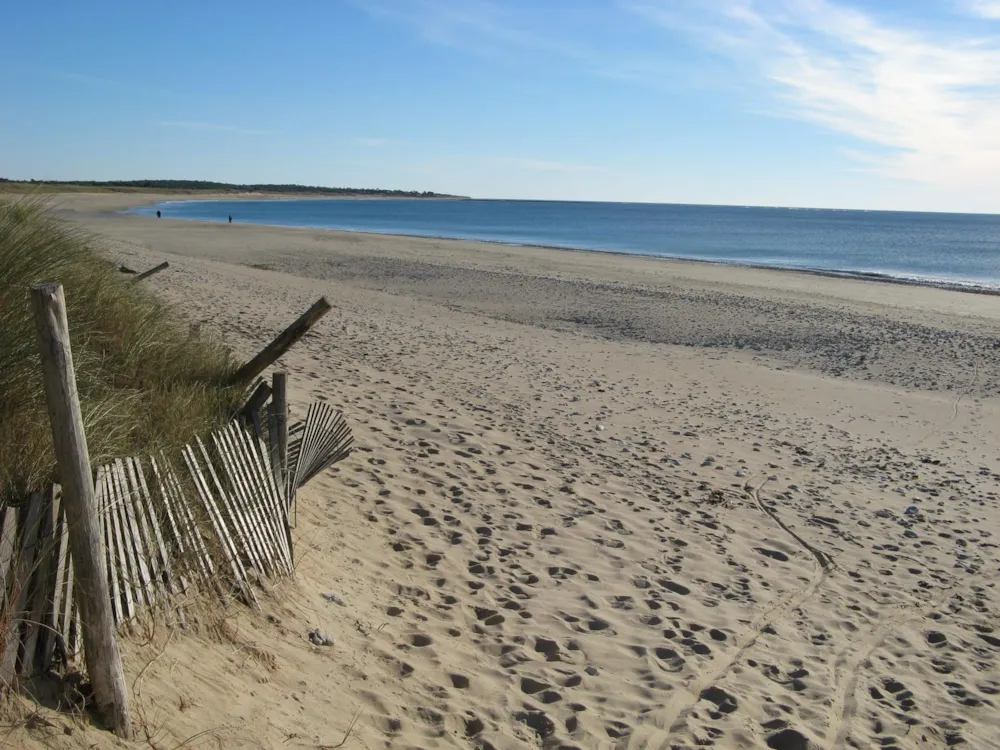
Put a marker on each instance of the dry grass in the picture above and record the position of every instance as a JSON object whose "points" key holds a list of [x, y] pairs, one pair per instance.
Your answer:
{"points": [[144, 382]]}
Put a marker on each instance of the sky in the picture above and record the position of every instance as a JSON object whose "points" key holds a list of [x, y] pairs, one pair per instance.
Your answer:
{"points": [[892, 104]]}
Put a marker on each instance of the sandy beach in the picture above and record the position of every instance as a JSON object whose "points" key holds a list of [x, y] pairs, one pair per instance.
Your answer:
{"points": [[597, 502]]}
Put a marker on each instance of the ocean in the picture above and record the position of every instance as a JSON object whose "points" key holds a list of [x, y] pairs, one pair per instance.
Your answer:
{"points": [[953, 250]]}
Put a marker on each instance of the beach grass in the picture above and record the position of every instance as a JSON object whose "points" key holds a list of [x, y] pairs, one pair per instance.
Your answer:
{"points": [[145, 382]]}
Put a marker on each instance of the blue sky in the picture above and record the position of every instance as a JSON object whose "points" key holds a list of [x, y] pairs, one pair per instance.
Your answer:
{"points": [[891, 104]]}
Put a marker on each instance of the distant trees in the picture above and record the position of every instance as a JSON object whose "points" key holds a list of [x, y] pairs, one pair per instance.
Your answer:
{"points": [[227, 187]]}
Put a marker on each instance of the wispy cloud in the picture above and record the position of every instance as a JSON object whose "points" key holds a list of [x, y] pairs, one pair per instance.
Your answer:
{"points": [[929, 105], [497, 29], [459, 23], [210, 127], [921, 100], [984, 8]]}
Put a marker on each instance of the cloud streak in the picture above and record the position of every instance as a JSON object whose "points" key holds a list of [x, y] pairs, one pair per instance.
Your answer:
{"points": [[922, 101], [984, 8], [928, 107]]}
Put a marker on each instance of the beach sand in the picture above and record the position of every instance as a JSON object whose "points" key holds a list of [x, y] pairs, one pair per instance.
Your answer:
{"points": [[597, 501]]}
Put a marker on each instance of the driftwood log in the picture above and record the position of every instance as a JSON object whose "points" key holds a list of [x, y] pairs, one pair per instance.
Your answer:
{"points": [[150, 272]]}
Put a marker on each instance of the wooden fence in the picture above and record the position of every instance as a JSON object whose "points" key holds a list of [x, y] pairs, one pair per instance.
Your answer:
{"points": [[78, 562], [214, 519]]}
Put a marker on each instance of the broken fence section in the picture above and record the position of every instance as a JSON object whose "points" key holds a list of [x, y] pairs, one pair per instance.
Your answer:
{"points": [[216, 520]]}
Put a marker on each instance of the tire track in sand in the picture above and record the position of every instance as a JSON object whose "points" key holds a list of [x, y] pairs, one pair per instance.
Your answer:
{"points": [[851, 662], [660, 725]]}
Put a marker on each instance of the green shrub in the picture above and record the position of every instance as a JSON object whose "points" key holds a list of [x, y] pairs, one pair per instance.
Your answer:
{"points": [[144, 382]]}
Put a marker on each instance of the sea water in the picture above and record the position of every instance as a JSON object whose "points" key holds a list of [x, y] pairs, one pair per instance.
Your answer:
{"points": [[960, 250]]}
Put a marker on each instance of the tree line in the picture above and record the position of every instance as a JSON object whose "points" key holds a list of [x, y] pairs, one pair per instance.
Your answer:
{"points": [[228, 187]]}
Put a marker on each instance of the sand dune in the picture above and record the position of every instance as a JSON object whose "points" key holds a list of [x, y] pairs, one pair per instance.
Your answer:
{"points": [[629, 533]]}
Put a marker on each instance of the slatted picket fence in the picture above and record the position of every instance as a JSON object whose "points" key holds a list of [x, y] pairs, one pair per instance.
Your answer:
{"points": [[213, 519]]}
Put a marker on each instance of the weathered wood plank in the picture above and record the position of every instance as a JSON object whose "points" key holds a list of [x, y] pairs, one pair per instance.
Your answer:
{"points": [[282, 343], [243, 498], [53, 585], [69, 606], [154, 270], [140, 503], [40, 586], [219, 524], [8, 539], [174, 528], [260, 506], [239, 531], [187, 517], [244, 450], [62, 569], [22, 584], [132, 535], [16, 594], [167, 570], [128, 568], [113, 550], [250, 413], [273, 492], [104, 663]]}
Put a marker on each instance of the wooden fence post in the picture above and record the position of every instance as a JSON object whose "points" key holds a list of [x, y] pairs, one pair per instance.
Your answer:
{"points": [[282, 343], [100, 642], [279, 402]]}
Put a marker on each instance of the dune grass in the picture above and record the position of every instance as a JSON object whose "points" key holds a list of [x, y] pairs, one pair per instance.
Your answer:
{"points": [[144, 382]]}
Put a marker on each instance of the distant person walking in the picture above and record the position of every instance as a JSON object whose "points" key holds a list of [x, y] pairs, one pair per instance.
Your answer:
{"points": [[158, 215], [230, 218]]}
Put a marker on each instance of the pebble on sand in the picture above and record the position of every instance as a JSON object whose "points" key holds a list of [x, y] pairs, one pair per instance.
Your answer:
{"points": [[319, 637]]}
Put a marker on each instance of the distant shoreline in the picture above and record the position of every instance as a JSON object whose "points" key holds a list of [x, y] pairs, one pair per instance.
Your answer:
{"points": [[203, 188], [870, 276]]}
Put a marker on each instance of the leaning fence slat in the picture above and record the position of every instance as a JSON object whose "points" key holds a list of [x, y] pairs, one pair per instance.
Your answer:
{"points": [[14, 602], [243, 501], [112, 549], [68, 607], [262, 505], [19, 595], [187, 519], [270, 518], [139, 502], [256, 501], [53, 586], [240, 535], [168, 574], [172, 520], [219, 524], [242, 494], [40, 590], [62, 568], [272, 492], [250, 457], [133, 538], [128, 574], [75, 632], [8, 537]]}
